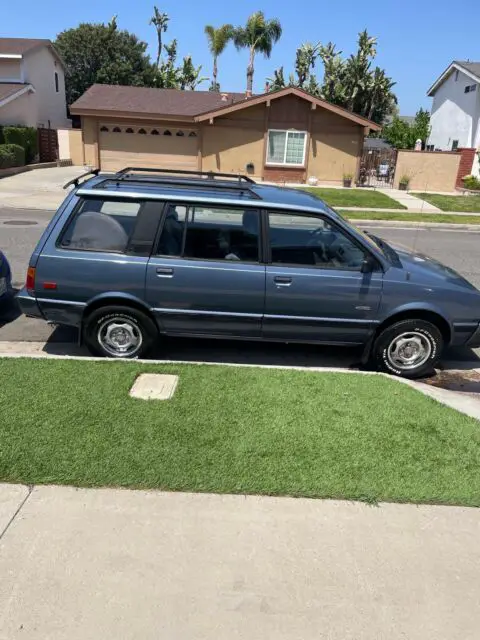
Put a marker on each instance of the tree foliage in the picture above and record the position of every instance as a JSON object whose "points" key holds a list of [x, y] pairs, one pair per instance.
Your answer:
{"points": [[217, 41], [350, 83], [99, 53], [160, 22], [403, 135], [258, 36]]}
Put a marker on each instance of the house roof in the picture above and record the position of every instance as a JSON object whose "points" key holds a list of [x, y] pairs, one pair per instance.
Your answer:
{"points": [[471, 69], [149, 101], [20, 46], [187, 105], [12, 91]]}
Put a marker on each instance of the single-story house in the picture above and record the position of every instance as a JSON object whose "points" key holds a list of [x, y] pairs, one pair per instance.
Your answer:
{"points": [[288, 135]]}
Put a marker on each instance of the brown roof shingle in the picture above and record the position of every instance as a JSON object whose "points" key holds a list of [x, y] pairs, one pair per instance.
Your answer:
{"points": [[19, 46], [171, 102], [8, 89]]}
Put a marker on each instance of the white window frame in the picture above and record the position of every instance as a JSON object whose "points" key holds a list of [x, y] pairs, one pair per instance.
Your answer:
{"points": [[285, 163]]}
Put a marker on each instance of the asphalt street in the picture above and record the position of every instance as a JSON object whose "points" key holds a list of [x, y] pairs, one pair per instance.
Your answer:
{"points": [[21, 229]]}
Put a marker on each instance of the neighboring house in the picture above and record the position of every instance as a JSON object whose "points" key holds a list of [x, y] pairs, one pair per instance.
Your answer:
{"points": [[455, 117], [32, 84], [287, 136]]}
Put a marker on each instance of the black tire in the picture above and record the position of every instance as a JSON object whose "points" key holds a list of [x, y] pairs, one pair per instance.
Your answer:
{"points": [[424, 336], [136, 325]]}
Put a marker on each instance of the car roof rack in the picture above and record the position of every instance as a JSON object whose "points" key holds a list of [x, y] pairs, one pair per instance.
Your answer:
{"points": [[93, 172], [202, 175], [182, 178]]}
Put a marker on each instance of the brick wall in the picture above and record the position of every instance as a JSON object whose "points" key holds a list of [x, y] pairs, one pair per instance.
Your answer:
{"points": [[465, 166], [284, 174]]}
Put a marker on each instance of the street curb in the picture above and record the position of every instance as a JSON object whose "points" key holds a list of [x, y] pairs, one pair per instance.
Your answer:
{"points": [[460, 402], [416, 225]]}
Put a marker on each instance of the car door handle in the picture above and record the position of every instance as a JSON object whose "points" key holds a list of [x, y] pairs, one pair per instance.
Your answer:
{"points": [[164, 272], [282, 281]]}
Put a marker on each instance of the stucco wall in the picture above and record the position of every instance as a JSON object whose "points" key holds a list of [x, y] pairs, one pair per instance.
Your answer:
{"points": [[10, 70], [76, 146], [90, 141], [22, 110], [428, 171], [334, 147], [455, 114], [39, 67], [230, 149]]}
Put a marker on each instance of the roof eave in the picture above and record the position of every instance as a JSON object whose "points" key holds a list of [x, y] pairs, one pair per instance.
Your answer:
{"points": [[26, 88], [134, 115]]}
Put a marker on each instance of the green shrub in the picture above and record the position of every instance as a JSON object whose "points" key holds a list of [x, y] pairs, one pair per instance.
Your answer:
{"points": [[471, 182], [11, 155], [26, 137]]}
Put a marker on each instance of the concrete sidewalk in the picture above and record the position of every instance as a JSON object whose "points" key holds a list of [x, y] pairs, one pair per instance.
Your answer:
{"points": [[90, 564], [409, 201]]}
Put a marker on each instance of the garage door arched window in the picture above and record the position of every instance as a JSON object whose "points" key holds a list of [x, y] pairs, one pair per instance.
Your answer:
{"points": [[167, 133], [180, 134], [142, 132], [129, 130], [116, 130], [192, 134], [104, 128], [154, 132]]}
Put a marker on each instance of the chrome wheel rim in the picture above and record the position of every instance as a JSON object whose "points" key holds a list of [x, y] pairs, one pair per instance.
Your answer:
{"points": [[120, 337], [409, 350]]}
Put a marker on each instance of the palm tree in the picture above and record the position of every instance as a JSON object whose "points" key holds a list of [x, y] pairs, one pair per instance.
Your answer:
{"points": [[160, 22], [217, 41], [258, 36]]}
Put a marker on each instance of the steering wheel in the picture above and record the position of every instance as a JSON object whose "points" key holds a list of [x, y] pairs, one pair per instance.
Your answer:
{"points": [[315, 241]]}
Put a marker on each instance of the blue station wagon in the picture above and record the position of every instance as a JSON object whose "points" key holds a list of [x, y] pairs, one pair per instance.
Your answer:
{"points": [[141, 254]]}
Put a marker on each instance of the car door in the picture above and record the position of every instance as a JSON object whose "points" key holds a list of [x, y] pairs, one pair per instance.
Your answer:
{"points": [[316, 287], [206, 277]]}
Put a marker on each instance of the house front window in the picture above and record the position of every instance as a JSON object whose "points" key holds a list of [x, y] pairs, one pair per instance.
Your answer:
{"points": [[286, 147]]}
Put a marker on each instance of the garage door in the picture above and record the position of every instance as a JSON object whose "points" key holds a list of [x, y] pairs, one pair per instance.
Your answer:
{"points": [[139, 146]]}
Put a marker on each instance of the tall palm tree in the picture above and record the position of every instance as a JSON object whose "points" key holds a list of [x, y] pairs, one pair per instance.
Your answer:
{"points": [[217, 41], [258, 36], [160, 22]]}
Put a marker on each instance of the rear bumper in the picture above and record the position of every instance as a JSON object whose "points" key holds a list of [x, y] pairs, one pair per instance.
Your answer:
{"points": [[28, 305]]}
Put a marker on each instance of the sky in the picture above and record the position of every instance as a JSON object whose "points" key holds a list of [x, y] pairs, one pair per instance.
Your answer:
{"points": [[417, 39]]}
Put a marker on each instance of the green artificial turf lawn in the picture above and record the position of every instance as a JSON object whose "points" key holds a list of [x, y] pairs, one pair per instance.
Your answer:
{"points": [[354, 198], [452, 203], [409, 217], [236, 430]]}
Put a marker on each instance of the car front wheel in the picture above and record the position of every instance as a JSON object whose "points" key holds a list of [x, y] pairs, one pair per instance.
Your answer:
{"points": [[409, 348], [119, 332]]}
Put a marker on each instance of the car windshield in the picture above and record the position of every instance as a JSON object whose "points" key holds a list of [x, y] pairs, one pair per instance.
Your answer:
{"points": [[374, 241]]}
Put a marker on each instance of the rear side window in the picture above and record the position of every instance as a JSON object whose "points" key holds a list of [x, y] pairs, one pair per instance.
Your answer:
{"points": [[101, 225], [211, 233]]}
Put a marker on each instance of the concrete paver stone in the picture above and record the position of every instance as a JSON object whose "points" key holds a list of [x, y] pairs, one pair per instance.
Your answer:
{"points": [[154, 386]]}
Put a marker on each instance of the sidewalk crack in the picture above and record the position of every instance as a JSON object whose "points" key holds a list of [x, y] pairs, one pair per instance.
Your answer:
{"points": [[30, 488]]}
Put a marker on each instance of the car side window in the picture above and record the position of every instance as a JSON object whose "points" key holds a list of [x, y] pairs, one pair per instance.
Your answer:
{"points": [[311, 241], [101, 225], [211, 233]]}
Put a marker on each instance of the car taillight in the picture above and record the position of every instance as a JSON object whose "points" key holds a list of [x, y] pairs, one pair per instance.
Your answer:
{"points": [[30, 284]]}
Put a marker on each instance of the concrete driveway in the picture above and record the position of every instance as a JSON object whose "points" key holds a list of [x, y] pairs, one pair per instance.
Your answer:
{"points": [[37, 189]]}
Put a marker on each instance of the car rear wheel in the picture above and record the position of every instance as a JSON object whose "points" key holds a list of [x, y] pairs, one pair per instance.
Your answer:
{"points": [[119, 332], [409, 348]]}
